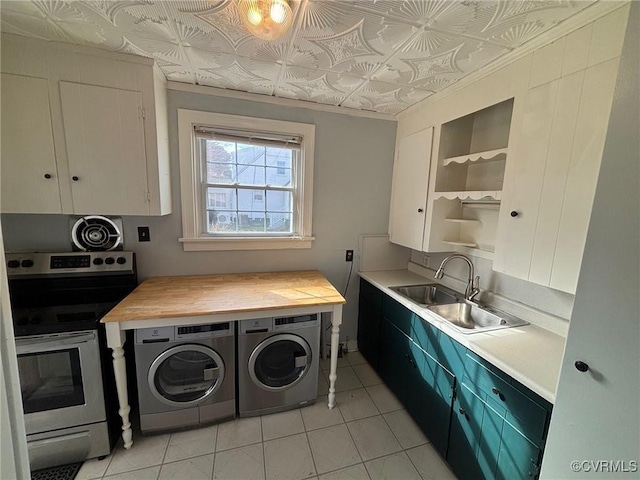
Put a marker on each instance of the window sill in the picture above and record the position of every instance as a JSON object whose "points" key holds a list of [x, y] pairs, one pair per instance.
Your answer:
{"points": [[244, 243]]}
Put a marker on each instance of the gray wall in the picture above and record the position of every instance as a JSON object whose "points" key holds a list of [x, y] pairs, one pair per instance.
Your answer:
{"points": [[352, 187], [597, 413]]}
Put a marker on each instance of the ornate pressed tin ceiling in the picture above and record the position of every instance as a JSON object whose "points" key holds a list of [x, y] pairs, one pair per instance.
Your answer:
{"points": [[379, 55]]}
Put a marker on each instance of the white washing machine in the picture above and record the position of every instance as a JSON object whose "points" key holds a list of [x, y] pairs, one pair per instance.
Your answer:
{"points": [[278, 360], [186, 375]]}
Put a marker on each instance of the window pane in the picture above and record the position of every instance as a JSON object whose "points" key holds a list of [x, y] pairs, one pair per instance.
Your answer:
{"points": [[279, 201], [220, 152], [251, 222], [221, 221], [278, 222], [251, 200], [221, 198], [221, 173], [279, 177], [279, 157], [250, 154], [250, 175]]}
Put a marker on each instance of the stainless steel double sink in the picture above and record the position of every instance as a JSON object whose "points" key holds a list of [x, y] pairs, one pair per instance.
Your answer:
{"points": [[450, 306]]}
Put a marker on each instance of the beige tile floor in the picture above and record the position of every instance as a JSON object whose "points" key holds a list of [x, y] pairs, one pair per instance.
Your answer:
{"points": [[367, 436]]}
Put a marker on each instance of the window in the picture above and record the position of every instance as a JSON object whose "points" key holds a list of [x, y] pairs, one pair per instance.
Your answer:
{"points": [[246, 183]]}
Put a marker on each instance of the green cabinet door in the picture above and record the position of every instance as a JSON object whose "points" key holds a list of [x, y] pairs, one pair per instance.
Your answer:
{"points": [[430, 397], [369, 322], [394, 361], [483, 445]]}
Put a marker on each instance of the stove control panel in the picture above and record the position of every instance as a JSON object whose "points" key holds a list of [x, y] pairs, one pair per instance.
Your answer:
{"points": [[19, 264]]}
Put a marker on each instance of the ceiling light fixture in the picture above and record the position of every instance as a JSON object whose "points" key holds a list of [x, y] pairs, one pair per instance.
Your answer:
{"points": [[266, 19]]}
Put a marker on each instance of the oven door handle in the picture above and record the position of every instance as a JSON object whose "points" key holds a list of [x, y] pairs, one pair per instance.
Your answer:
{"points": [[34, 344]]}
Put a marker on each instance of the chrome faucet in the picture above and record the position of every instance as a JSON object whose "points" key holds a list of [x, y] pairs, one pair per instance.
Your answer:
{"points": [[472, 283]]}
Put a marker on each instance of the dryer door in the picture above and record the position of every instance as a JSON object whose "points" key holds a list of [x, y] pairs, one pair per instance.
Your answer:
{"points": [[280, 362], [185, 375]]}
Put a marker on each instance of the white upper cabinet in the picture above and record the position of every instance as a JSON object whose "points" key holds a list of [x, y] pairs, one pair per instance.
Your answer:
{"points": [[558, 148], [104, 134], [88, 131], [409, 189], [29, 172], [517, 154]]}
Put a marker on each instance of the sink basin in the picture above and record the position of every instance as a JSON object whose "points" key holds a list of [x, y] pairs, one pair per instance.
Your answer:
{"points": [[429, 294], [470, 318]]}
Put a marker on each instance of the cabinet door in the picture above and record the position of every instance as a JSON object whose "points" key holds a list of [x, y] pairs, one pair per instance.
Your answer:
{"points": [[104, 133], [409, 189], [485, 446], [557, 156], [430, 397], [29, 172], [395, 368], [369, 322]]}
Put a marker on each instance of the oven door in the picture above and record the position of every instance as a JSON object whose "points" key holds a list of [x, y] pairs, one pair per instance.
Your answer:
{"points": [[61, 380]]}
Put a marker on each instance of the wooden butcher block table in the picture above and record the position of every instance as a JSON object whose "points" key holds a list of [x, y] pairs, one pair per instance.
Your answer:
{"points": [[189, 300]]}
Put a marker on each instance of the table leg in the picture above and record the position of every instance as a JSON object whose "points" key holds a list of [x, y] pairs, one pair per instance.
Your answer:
{"points": [[336, 320], [115, 341]]}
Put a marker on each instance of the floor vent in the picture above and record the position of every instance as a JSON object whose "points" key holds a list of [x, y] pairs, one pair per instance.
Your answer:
{"points": [[63, 472]]}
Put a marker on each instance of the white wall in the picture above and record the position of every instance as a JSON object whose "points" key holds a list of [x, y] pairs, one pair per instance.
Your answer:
{"points": [[352, 187], [597, 413]]}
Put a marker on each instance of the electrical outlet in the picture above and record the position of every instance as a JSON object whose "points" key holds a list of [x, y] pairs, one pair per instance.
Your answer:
{"points": [[425, 260], [143, 234], [349, 256]]}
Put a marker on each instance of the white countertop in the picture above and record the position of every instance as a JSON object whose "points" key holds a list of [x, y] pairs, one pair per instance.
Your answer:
{"points": [[530, 354]]}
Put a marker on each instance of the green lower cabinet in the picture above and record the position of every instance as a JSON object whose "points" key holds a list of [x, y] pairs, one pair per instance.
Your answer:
{"points": [[394, 361], [486, 424], [431, 397], [369, 322], [423, 385], [483, 445]]}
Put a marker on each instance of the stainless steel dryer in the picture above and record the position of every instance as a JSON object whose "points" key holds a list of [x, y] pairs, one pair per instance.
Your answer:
{"points": [[278, 361], [186, 375]]}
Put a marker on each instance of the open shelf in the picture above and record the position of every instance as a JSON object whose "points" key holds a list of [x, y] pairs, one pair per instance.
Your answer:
{"points": [[496, 155], [470, 195], [460, 243], [462, 220]]}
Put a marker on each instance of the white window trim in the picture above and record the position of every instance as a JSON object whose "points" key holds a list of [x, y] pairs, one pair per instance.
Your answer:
{"points": [[192, 238]]}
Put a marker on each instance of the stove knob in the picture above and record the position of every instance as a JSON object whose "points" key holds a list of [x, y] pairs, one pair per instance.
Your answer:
{"points": [[27, 263], [98, 261], [13, 263], [121, 260], [109, 261]]}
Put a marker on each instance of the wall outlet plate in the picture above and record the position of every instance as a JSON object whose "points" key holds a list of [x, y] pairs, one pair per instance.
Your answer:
{"points": [[348, 256]]}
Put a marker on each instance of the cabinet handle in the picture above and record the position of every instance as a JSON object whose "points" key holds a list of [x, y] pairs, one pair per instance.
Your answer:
{"points": [[75, 179], [413, 364], [514, 213], [581, 366], [497, 392], [47, 176], [420, 210]]}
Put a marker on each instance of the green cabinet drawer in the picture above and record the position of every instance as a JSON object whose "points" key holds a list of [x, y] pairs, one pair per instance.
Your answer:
{"points": [[397, 314], [425, 335], [523, 412], [451, 355], [370, 294]]}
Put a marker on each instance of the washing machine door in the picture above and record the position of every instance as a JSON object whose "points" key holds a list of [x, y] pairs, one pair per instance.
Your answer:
{"points": [[280, 362], [185, 375]]}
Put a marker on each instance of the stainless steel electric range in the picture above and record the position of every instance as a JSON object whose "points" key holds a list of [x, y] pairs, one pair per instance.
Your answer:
{"points": [[66, 376]]}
